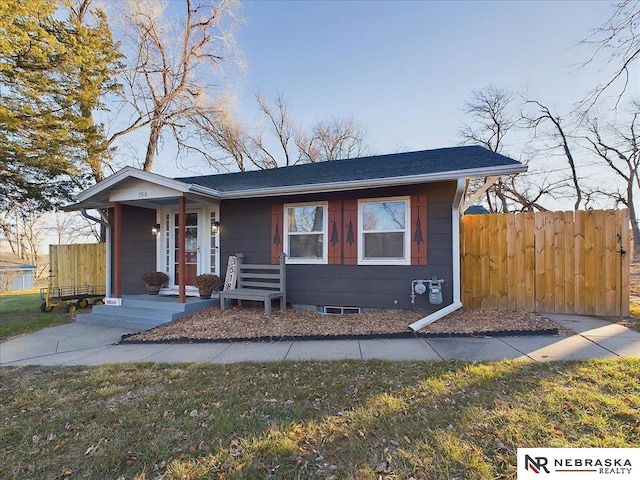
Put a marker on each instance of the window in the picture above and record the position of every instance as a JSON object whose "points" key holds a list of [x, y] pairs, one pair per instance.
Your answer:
{"points": [[384, 233], [305, 233]]}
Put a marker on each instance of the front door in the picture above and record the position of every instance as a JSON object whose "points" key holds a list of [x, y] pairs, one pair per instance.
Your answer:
{"points": [[192, 257]]}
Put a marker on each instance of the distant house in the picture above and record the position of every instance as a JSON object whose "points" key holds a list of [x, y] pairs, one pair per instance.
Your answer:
{"points": [[16, 276], [357, 232]]}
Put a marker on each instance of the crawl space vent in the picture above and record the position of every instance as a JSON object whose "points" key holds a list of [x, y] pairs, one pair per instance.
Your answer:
{"points": [[341, 310]]}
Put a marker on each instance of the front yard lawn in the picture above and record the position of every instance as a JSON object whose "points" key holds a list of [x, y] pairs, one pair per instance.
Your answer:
{"points": [[20, 313], [308, 420]]}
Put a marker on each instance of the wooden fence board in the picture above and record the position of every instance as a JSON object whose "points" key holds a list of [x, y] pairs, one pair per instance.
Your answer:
{"points": [[559, 253], [78, 264], [569, 263], [579, 259], [589, 260], [529, 253], [610, 273], [514, 271], [624, 249], [555, 262]]}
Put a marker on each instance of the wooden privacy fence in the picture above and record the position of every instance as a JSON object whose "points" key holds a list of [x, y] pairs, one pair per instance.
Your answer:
{"points": [[80, 264], [552, 262]]}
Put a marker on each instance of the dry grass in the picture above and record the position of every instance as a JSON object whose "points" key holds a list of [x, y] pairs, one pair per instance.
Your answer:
{"points": [[366, 420]]}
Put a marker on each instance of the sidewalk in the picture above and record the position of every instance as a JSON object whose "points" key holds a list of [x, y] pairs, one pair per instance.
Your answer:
{"points": [[78, 344]]}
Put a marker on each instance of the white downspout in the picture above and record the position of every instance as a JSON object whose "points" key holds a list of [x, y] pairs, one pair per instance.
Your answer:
{"points": [[455, 248]]}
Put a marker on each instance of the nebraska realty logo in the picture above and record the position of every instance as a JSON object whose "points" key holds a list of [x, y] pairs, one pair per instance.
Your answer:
{"points": [[578, 463]]}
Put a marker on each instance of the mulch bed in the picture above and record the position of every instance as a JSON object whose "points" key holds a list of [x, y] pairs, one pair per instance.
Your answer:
{"points": [[249, 324]]}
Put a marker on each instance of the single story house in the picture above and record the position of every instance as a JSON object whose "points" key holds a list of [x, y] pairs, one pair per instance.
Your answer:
{"points": [[16, 276], [357, 232]]}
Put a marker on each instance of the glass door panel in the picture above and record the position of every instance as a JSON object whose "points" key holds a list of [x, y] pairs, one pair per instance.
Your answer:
{"points": [[191, 248]]}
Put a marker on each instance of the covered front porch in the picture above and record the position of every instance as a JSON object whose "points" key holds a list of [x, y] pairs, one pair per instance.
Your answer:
{"points": [[154, 223]]}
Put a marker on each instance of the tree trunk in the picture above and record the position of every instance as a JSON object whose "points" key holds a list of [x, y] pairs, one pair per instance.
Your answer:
{"points": [[152, 146], [635, 227]]}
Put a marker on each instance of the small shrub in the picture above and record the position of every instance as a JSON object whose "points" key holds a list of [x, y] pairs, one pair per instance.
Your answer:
{"points": [[209, 281], [155, 278]]}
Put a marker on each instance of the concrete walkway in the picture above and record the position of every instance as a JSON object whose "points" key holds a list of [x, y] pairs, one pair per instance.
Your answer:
{"points": [[78, 344]]}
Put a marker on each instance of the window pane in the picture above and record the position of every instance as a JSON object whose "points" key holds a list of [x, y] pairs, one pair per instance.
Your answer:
{"points": [[305, 246], [384, 245], [384, 216], [305, 219]]}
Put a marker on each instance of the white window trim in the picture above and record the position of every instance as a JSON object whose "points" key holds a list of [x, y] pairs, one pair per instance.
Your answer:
{"points": [[325, 233], [407, 233]]}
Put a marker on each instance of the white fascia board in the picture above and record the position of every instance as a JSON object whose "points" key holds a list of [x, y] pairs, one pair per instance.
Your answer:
{"points": [[86, 206], [372, 183], [205, 191], [182, 187]]}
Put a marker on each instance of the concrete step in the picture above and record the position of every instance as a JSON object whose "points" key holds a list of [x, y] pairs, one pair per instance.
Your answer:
{"points": [[169, 303], [137, 312], [130, 323], [143, 312]]}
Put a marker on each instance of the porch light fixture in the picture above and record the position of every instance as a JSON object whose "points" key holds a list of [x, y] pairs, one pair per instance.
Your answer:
{"points": [[155, 230], [215, 226]]}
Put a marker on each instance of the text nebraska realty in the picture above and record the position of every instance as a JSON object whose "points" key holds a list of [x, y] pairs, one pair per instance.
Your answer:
{"points": [[619, 466]]}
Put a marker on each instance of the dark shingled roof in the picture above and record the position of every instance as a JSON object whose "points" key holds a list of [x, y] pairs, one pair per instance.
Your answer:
{"points": [[358, 169]]}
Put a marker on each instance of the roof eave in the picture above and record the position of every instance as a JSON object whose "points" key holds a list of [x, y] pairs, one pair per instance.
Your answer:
{"points": [[74, 207], [372, 183], [84, 200], [130, 172]]}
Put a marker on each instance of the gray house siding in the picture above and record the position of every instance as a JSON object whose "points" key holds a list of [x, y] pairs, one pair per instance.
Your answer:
{"points": [[246, 228], [138, 247]]}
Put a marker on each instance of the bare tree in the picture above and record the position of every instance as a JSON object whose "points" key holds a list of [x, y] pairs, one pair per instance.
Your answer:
{"points": [[170, 78], [279, 141], [332, 140], [72, 227], [223, 135], [283, 128], [492, 115], [617, 40], [619, 148], [7, 277], [555, 138], [25, 229]]}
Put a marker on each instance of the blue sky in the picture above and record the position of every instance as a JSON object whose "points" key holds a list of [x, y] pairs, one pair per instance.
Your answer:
{"points": [[404, 69]]}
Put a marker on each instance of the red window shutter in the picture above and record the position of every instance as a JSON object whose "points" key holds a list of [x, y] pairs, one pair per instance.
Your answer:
{"points": [[350, 231], [335, 232], [418, 229], [277, 239]]}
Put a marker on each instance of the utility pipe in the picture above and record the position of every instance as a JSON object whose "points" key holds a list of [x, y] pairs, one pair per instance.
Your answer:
{"points": [[455, 248]]}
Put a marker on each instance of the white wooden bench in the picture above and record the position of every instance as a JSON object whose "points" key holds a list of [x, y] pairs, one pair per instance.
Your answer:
{"points": [[258, 283]]}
